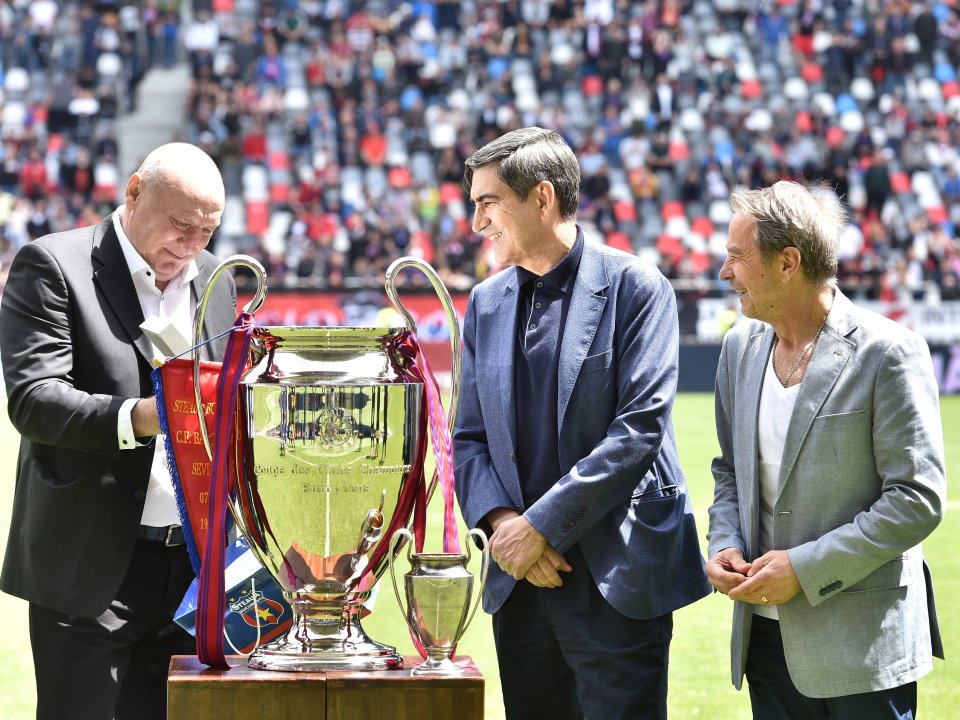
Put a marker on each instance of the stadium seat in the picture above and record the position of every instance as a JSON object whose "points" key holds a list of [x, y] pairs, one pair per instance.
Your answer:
{"points": [[812, 72], [944, 72], [751, 89], [825, 103], [702, 225], [899, 182], [846, 103], [691, 120], [255, 184], [929, 91], [624, 211], [258, 215], [672, 209], [795, 88], [760, 120], [852, 121], [720, 213], [16, 82], [861, 88]]}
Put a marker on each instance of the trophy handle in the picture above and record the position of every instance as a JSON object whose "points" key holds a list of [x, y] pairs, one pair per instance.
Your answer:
{"points": [[251, 307], [447, 302], [391, 557], [484, 566]]}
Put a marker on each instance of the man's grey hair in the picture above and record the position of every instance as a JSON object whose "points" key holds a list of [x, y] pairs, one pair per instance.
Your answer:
{"points": [[527, 157], [788, 214]]}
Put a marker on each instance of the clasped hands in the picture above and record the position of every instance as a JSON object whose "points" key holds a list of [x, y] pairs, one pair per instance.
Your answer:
{"points": [[768, 580], [522, 552]]}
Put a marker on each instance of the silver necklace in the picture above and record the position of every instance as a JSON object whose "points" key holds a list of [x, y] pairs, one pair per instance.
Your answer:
{"points": [[803, 353]]}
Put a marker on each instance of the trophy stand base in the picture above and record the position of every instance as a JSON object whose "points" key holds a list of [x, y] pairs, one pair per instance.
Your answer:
{"points": [[303, 649], [431, 666]]}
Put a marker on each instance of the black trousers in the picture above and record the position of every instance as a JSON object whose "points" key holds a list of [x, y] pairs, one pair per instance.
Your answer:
{"points": [[774, 696], [566, 654], [115, 665]]}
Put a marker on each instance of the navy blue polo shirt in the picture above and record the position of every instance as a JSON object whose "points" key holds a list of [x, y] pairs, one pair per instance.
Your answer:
{"points": [[541, 316]]}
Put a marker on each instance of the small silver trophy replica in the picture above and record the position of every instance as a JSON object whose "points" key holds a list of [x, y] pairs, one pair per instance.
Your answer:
{"points": [[329, 427], [438, 589]]}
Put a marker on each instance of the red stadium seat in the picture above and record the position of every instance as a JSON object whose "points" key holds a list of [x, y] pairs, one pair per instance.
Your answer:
{"points": [[278, 160], [812, 72], [702, 226], [672, 209], [592, 85], [624, 211], [751, 89], [900, 182], [678, 150], [258, 217], [399, 177], [835, 136], [450, 192], [279, 193], [937, 214], [620, 241]]}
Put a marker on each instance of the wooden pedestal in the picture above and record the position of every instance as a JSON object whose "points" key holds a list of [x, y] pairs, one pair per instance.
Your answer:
{"points": [[196, 692]]}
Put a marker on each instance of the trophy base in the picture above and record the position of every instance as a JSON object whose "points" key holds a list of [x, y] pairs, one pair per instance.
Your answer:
{"points": [[320, 645], [358, 655], [431, 666]]}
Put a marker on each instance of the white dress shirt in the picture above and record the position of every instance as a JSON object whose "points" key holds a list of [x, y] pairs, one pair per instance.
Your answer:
{"points": [[175, 305]]}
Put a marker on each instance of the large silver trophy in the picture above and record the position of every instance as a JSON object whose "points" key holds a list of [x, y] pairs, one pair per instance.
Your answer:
{"points": [[328, 426]]}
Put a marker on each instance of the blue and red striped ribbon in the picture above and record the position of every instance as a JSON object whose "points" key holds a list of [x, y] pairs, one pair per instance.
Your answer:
{"points": [[211, 591]]}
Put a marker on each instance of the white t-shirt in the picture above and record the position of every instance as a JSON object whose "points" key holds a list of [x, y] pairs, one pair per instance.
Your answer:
{"points": [[776, 409]]}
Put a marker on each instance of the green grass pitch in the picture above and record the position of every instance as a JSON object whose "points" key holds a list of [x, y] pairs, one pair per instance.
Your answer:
{"points": [[699, 674]]}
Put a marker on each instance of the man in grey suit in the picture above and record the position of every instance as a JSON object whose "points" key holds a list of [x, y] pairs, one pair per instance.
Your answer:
{"points": [[830, 475], [564, 447], [95, 544]]}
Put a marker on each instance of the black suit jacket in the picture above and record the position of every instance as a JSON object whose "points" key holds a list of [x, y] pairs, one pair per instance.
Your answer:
{"points": [[72, 352]]}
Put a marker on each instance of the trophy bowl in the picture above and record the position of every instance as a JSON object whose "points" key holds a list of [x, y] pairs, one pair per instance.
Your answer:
{"points": [[331, 428], [331, 435]]}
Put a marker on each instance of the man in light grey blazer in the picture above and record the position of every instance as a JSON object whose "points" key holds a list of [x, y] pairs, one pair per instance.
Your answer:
{"points": [[95, 544], [830, 475], [564, 448]]}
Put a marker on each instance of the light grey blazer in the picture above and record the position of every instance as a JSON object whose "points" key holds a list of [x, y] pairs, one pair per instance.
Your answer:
{"points": [[861, 485]]}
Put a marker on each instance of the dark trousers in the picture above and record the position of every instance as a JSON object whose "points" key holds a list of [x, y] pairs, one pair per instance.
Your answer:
{"points": [[774, 696], [115, 665], [565, 653]]}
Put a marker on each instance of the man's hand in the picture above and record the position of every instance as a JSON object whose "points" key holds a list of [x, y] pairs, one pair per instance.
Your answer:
{"points": [[770, 576], [727, 570], [145, 418], [544, 573], [516, 545]]}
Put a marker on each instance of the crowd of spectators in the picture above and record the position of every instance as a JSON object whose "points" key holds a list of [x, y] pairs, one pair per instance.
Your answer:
{"points": [[341, 126], [68, 70]]}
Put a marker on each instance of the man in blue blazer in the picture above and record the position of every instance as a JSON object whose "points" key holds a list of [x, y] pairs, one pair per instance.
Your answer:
{"points": [[564, 447], [830, 475]]}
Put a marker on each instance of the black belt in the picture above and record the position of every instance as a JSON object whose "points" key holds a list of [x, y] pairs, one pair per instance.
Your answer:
{"points": [[171, 535]]}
